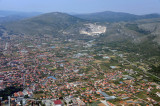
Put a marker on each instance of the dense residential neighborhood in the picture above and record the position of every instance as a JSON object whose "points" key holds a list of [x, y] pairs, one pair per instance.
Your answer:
{"points": [[57, 72]]}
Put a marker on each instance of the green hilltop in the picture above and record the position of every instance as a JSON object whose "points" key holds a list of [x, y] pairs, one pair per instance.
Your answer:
{"points": [[50, 23]]}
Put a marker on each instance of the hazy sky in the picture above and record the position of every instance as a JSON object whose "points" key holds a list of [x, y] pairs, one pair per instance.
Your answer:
{"points": [[82, 6]]}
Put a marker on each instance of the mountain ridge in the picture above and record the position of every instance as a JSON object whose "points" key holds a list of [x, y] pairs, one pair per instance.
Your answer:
{"points": [[11, 16], [109, 16]]}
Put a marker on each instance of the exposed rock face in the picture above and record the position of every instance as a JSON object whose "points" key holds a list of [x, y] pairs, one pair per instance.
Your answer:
{"points": [[93, 29], [154, 28]]}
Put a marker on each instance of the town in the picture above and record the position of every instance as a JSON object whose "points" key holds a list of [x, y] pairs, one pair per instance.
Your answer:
{"points": [[55, 72]]}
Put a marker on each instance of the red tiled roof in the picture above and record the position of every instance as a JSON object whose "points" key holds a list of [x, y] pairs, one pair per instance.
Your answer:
{"points": [[15, 95], [56, 102]]}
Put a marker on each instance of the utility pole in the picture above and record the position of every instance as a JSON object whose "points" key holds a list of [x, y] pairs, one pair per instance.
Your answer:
{"points": [[0, 101], [24, 80], [9, 101]]}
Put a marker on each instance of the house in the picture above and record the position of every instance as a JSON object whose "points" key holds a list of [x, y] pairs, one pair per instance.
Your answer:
{"points": [[16, 95], [158, 87], [106, 57], [110, 97], [57, 103], [25, 92], [113, 67], [158, 94], [107, 97], [80, 102], [51, 77], [21, 94], [105, 103]]}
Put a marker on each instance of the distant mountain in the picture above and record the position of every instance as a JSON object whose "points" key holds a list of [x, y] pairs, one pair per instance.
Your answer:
{"points": [[150, 16], [109, 16], [51, 23], [11, 16], [4, 13]]}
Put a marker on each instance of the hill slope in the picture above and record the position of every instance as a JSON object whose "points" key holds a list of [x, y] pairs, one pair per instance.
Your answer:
{"points": [[50, 23], [142, 36]]}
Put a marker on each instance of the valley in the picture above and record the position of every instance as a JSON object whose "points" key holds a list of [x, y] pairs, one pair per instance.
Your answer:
{"points": [[60, 59]]}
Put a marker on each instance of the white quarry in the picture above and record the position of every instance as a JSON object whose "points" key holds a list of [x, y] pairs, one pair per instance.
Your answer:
{"points": [[93, 29]]}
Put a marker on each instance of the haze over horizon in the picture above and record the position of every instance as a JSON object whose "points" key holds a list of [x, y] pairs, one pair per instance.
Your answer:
{"points": [[82, 6]]}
